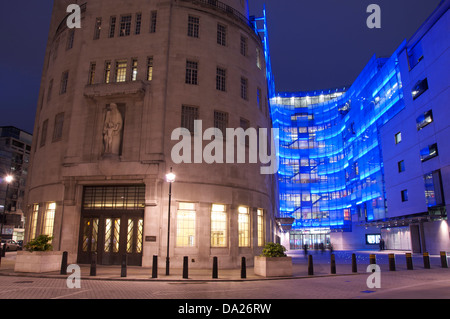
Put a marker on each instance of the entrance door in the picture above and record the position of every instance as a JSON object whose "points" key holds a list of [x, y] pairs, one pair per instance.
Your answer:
{"points": [[111, 236]]}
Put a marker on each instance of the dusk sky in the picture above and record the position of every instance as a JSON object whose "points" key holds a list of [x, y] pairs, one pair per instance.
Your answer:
{"points": [[315, 44]]}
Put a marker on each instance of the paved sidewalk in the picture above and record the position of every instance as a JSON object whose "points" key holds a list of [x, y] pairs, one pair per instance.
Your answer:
{"points": [[321, 263]]}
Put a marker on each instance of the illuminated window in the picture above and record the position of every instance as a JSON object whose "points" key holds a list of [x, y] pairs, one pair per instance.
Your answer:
{"points": [[34, 219], [134, 69], [419, 88], [219, 236], [398, 137], [244, 226], [49, 219], [185, 225], [150, 68], [121, 71], [424, 119], [98, 28], [428, 152], [433, 189], [107, 77], [91, 79], [260, 215]]}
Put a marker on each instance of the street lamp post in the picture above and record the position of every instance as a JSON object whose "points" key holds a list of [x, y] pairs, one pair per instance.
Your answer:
{"points": [[170, 178], [8, 180]]}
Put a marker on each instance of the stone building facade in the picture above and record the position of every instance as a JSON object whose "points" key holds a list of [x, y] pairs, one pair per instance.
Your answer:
{"points": [[112, 92]]}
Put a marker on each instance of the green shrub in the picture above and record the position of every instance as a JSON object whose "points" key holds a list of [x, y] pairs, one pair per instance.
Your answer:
{"points": [[40, 243], [273, 250]]}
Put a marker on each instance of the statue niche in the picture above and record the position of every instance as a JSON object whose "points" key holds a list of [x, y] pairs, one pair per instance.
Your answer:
{"points": [[112, 130]]}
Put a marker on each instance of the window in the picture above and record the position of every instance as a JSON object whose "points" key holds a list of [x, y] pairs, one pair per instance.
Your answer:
{"points": [[49, 219], [221, 79], [64, 82], [243, 45], [134, 69], [153, 17], [433, 189], [193, 26], [221, 121], [113, 197], [219, 236], [398, 137], [107, 72], [137, 30], [125, 26], [44, 132], [112, 26], [428, 152], [244, 88], [260, 215], [419, 88], [221, 34], [401, 166], [34, 219], [185, 225], [424, 119], [188, 115], [98, 28], [58, 128], [121, 71], [404, 195], [258, 58], [373, 239], [149, 68], [91, 79], [191, 72], [244, 226], [70, 39], [415, 55]]}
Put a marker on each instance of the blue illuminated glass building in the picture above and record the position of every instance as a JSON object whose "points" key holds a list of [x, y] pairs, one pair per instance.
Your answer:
{"points": [[332, 173]]}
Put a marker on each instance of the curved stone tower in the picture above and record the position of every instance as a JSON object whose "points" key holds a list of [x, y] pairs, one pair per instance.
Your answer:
{"points": [[112, 93]]}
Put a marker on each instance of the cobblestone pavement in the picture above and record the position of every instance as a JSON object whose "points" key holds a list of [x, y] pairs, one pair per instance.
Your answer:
{"points": [[419, 283]]}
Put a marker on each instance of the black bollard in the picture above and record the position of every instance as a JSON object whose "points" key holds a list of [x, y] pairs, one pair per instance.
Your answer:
{"points": [[64, 263], [243, 268], [215, 271], [409, 263], [391, 262], [354, 266], [310, 265], [3, 251], [93, 264], [426, 261], [185, 267], [123, 270], [444, 259], [333, 264], [155, 267]]}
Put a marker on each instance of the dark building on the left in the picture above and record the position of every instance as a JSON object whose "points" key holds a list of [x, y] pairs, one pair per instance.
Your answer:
{"points": [[15, 147]]}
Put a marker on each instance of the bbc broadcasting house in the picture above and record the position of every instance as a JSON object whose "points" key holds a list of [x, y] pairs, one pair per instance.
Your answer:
{"points": [[355, 163]]}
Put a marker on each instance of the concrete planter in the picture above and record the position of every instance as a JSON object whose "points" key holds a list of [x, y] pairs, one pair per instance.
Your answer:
{"points": [[38, 261], [273, 266]]}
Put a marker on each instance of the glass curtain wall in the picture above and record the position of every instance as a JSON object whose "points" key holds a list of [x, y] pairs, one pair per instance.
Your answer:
{"points": [[330, 156]]}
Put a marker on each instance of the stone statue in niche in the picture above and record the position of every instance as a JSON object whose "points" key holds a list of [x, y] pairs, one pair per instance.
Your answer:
{"points": [[112, 130]]}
